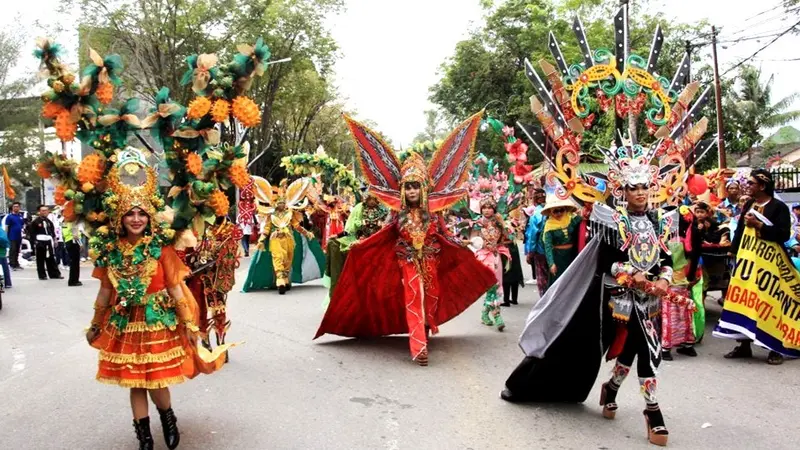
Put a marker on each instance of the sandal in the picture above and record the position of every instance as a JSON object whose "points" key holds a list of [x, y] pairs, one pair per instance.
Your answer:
{"points": [[774, 359], [657, 433], [607, 397], [422, 358]]}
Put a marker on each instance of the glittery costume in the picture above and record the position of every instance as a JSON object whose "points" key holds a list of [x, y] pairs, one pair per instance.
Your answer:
{"points": [[287, 253], [412, 275], [142, 344]]}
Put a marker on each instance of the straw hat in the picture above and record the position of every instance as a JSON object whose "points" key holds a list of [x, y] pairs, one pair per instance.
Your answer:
{"points": [[553, 202]]}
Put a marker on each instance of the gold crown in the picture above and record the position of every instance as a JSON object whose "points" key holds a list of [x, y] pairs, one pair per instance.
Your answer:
{"points": [[134, 185], [414, 169]]}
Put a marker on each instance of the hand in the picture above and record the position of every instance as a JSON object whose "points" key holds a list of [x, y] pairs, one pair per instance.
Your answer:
{"points": [[553, 269], [700, 225], [92, 334], [660, 288], [639, 280], [190, 332], [751, 221]]}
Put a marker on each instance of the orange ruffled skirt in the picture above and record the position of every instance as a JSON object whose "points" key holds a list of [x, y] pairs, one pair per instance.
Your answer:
{"points": [[141, 356]]}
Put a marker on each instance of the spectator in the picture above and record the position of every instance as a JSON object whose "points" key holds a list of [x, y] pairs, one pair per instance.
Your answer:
{"points": [[13, 223], [4, 246], [247, 231], [42, 233], [72, 238]]}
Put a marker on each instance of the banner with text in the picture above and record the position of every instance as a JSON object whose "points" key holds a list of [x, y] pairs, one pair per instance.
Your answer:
{"points": [[763, 299]]}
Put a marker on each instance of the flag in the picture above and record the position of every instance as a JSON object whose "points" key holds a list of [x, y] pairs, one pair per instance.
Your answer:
{"points": [[7, 183]]}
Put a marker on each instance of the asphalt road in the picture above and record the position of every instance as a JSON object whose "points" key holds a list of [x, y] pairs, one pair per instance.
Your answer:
{"points": [[281, 390]]}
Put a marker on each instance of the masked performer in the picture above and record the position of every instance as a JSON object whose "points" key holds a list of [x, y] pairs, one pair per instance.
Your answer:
{"points": [[146, 320], [366, 219], [287, 253], [411, 276]]}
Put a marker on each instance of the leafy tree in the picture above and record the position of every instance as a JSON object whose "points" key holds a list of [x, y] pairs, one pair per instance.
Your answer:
{"points": [[19, 138], [752, 111], [436, 127], [488, 67], [155, 36]]}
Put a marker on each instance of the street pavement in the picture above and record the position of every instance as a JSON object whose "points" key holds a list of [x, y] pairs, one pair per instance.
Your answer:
{"points": [[281, 390]]}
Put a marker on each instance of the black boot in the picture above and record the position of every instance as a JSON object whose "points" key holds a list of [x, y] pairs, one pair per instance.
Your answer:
{"points": [[142, 427], [169, 424], [281, 290]]}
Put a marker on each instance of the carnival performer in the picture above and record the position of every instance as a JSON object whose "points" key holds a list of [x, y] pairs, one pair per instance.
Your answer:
{"points": [[366, 219], [680, 328], [513, 277], [411, 276], [287, 253], [145, 321], [560, 234], [771, 220], [491, 229], [534, 246]]}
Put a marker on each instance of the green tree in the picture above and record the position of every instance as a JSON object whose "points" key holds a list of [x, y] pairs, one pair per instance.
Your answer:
{"points": [[155, 36], [752, 110], [488, 67], [436, 127], [19, 136]]}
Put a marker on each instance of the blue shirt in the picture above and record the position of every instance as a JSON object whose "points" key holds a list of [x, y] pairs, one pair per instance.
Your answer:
{"points": [[14, 224], [533, 233]]}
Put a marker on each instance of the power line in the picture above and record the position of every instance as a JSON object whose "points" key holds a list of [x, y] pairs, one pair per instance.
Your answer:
{"points": [[740, 63], [780, 16]]}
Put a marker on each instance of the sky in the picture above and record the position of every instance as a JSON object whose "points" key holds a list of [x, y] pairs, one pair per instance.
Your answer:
{"points": [[391, 50]]}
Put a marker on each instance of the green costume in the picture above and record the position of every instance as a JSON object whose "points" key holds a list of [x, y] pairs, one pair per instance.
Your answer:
{"points": [[308, 263], [559, 233]]}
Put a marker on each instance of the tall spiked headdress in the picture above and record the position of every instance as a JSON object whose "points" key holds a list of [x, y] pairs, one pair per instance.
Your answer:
{"points": [[569, 98]]}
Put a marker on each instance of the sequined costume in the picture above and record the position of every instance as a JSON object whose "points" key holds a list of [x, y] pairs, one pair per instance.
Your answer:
{"points": [[493, 236], [287, 253], [411, 276]]}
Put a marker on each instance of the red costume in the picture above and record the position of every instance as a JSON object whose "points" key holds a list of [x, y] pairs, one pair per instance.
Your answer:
{"points": [[412, 275]]}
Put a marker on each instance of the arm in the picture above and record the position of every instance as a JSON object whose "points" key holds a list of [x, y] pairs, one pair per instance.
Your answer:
{"points": [[297, 220], [532, 233], [781, 229], [737, 236], [182, 309], [548, 248]]}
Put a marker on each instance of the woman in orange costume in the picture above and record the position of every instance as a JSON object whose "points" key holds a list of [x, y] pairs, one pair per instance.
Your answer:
{"points": [[145, 321], [412, 276]]}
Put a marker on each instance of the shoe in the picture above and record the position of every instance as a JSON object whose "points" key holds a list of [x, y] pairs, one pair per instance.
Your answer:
{"points": [[774, 359], [78, 283], [43, 279], [741, 351], [505, 304], [57, 278], [657, 433], [687, 351], [422, 358], [499, 322], [142, 427], [514, 302], [169, 423], [509, 396], [608, 397], [282, 290], [666, 355]]}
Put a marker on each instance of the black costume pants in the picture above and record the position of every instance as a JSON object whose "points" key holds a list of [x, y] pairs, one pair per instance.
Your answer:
{"points": [[74, 255], [636, 347], [45, 256], [510, 290]]}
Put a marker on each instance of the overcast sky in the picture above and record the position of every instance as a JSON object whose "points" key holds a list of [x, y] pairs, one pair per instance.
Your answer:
{"points": [[392, 49]]}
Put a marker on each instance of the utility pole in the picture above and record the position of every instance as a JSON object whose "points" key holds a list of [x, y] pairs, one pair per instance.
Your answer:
{"points": [[723, 164], [627, 49]]}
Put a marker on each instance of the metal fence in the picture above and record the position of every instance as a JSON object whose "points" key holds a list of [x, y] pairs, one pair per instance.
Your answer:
{"points": [[786, 179]]}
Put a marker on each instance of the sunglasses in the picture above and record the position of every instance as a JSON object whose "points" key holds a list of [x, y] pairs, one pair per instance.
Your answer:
{"points": [[558, 210]]}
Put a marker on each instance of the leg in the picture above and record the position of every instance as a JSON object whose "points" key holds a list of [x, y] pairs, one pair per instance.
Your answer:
{"points": [[413, 293], [52, 267], [6, 272], [41, 255], [246, 244], [488, 301], [15, 245], [169, 423], [514, 293], [141, 420], [73, 250], [506, 294], [657, 432]]}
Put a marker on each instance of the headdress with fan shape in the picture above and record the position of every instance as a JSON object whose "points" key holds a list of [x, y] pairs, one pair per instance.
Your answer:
{"points": [[442, 179], [568, 99], [132, 184], [292, 195]]}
